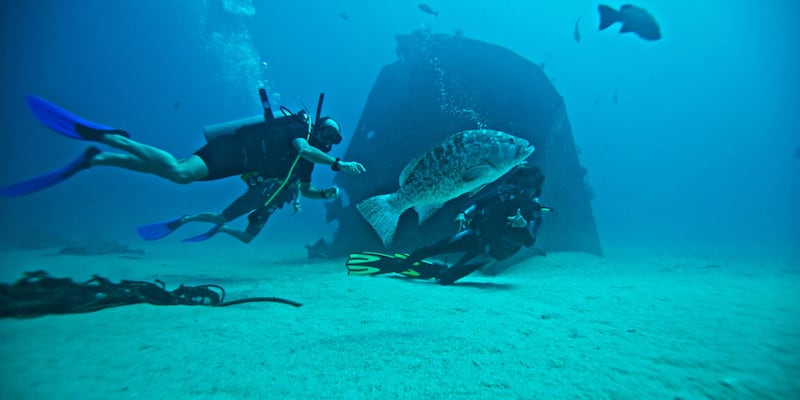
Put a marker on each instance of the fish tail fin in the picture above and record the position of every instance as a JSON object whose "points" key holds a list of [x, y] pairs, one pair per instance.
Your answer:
{"points": [[424, 212], [608, 16], [383, 217]]}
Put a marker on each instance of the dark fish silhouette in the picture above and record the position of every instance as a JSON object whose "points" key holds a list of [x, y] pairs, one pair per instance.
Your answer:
{"points": [[633, 19], [318, 249], [577, 33], [797, 153], [428, 9], [344, 16]]}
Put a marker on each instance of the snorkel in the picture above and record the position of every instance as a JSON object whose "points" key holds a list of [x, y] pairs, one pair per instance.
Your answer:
{"points": [[319, 109], [262, 93]]}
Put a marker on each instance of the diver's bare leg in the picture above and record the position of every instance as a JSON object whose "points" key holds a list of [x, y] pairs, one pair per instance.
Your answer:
{"points": [[245, 237], [152, 160], [214, 218]]}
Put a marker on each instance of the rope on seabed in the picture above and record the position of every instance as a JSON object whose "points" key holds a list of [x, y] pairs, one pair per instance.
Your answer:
{"points": [[38, 293]]}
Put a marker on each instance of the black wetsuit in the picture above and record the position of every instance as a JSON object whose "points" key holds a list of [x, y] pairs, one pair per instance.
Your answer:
{"points": [[264, 149], [253, 200], [262, 154], [489, 233]]}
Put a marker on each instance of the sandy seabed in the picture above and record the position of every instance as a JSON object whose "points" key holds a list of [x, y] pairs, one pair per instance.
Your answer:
{"points": [[567, 326]]}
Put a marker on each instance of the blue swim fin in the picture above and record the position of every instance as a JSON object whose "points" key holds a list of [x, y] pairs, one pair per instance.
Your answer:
{"points": [[51, 178], [158, 230], [203, 236], [68, 124]]}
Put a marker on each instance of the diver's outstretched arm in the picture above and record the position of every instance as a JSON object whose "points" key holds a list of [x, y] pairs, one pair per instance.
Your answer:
{"points": [[317, 156]]}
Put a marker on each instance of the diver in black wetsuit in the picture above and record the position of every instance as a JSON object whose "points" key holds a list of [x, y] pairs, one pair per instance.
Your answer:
{"points": [[252, 201], [268, 167], [271, 147], [495, 227], [273, 155]]}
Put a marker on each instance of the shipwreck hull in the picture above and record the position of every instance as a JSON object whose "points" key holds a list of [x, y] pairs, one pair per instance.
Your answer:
{"points": [[444, 84]]}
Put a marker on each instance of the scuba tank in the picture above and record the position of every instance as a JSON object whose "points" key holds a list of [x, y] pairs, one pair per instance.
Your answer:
{"points": [[214, 131]]}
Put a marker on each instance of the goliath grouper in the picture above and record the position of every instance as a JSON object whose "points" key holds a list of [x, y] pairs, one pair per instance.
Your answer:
{"points": [[464, 163]]}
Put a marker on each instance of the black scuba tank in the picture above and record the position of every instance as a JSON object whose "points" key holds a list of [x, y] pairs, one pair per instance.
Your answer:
{"points": [[230, 127]]}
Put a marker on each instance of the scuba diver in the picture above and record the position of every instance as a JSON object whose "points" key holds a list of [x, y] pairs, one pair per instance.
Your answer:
{"points": [[260, 149], [250, 202], [496, 226]]}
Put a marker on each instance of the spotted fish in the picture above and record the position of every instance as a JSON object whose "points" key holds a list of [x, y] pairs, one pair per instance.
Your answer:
{"points": [[464, 163]]}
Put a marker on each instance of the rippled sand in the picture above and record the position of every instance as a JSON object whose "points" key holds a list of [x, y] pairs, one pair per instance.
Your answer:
{"points": [[566, 326]]}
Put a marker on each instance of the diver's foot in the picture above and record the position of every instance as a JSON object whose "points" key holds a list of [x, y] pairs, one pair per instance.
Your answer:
{"points": [[97, 135], [88, 155], [177, 223], [68, 124], [203, 236], [80, 163]]}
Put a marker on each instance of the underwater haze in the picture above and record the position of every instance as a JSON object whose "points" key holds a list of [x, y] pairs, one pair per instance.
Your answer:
{"points": [[691, 142], [688, 140]]}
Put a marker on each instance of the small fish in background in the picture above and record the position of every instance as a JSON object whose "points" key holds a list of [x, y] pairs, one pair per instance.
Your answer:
{"points": [[176, 106], [458, 32], [598, 99], [319, 249], [545, 59], [797, 153], [616, 97], [576, 34], [633, 19], [428, 9], [344, 17]]}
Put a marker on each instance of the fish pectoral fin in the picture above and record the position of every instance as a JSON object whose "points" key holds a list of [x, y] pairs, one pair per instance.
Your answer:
{"points": [[409, 169], [426, 211], [476, 172], [625, 28]]}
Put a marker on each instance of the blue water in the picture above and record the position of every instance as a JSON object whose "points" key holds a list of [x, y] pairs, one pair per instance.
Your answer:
{"points": [[690, 143], [696, 150]]}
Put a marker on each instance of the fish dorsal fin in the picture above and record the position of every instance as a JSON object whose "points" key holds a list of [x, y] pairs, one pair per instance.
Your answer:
{"points": [[410, 168], [476, 172], [627, 7]]}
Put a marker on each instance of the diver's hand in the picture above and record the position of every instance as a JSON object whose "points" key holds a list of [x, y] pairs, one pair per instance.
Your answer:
{"points": [[517, 221], [330, 193], [461, 221], [352, 167]]}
